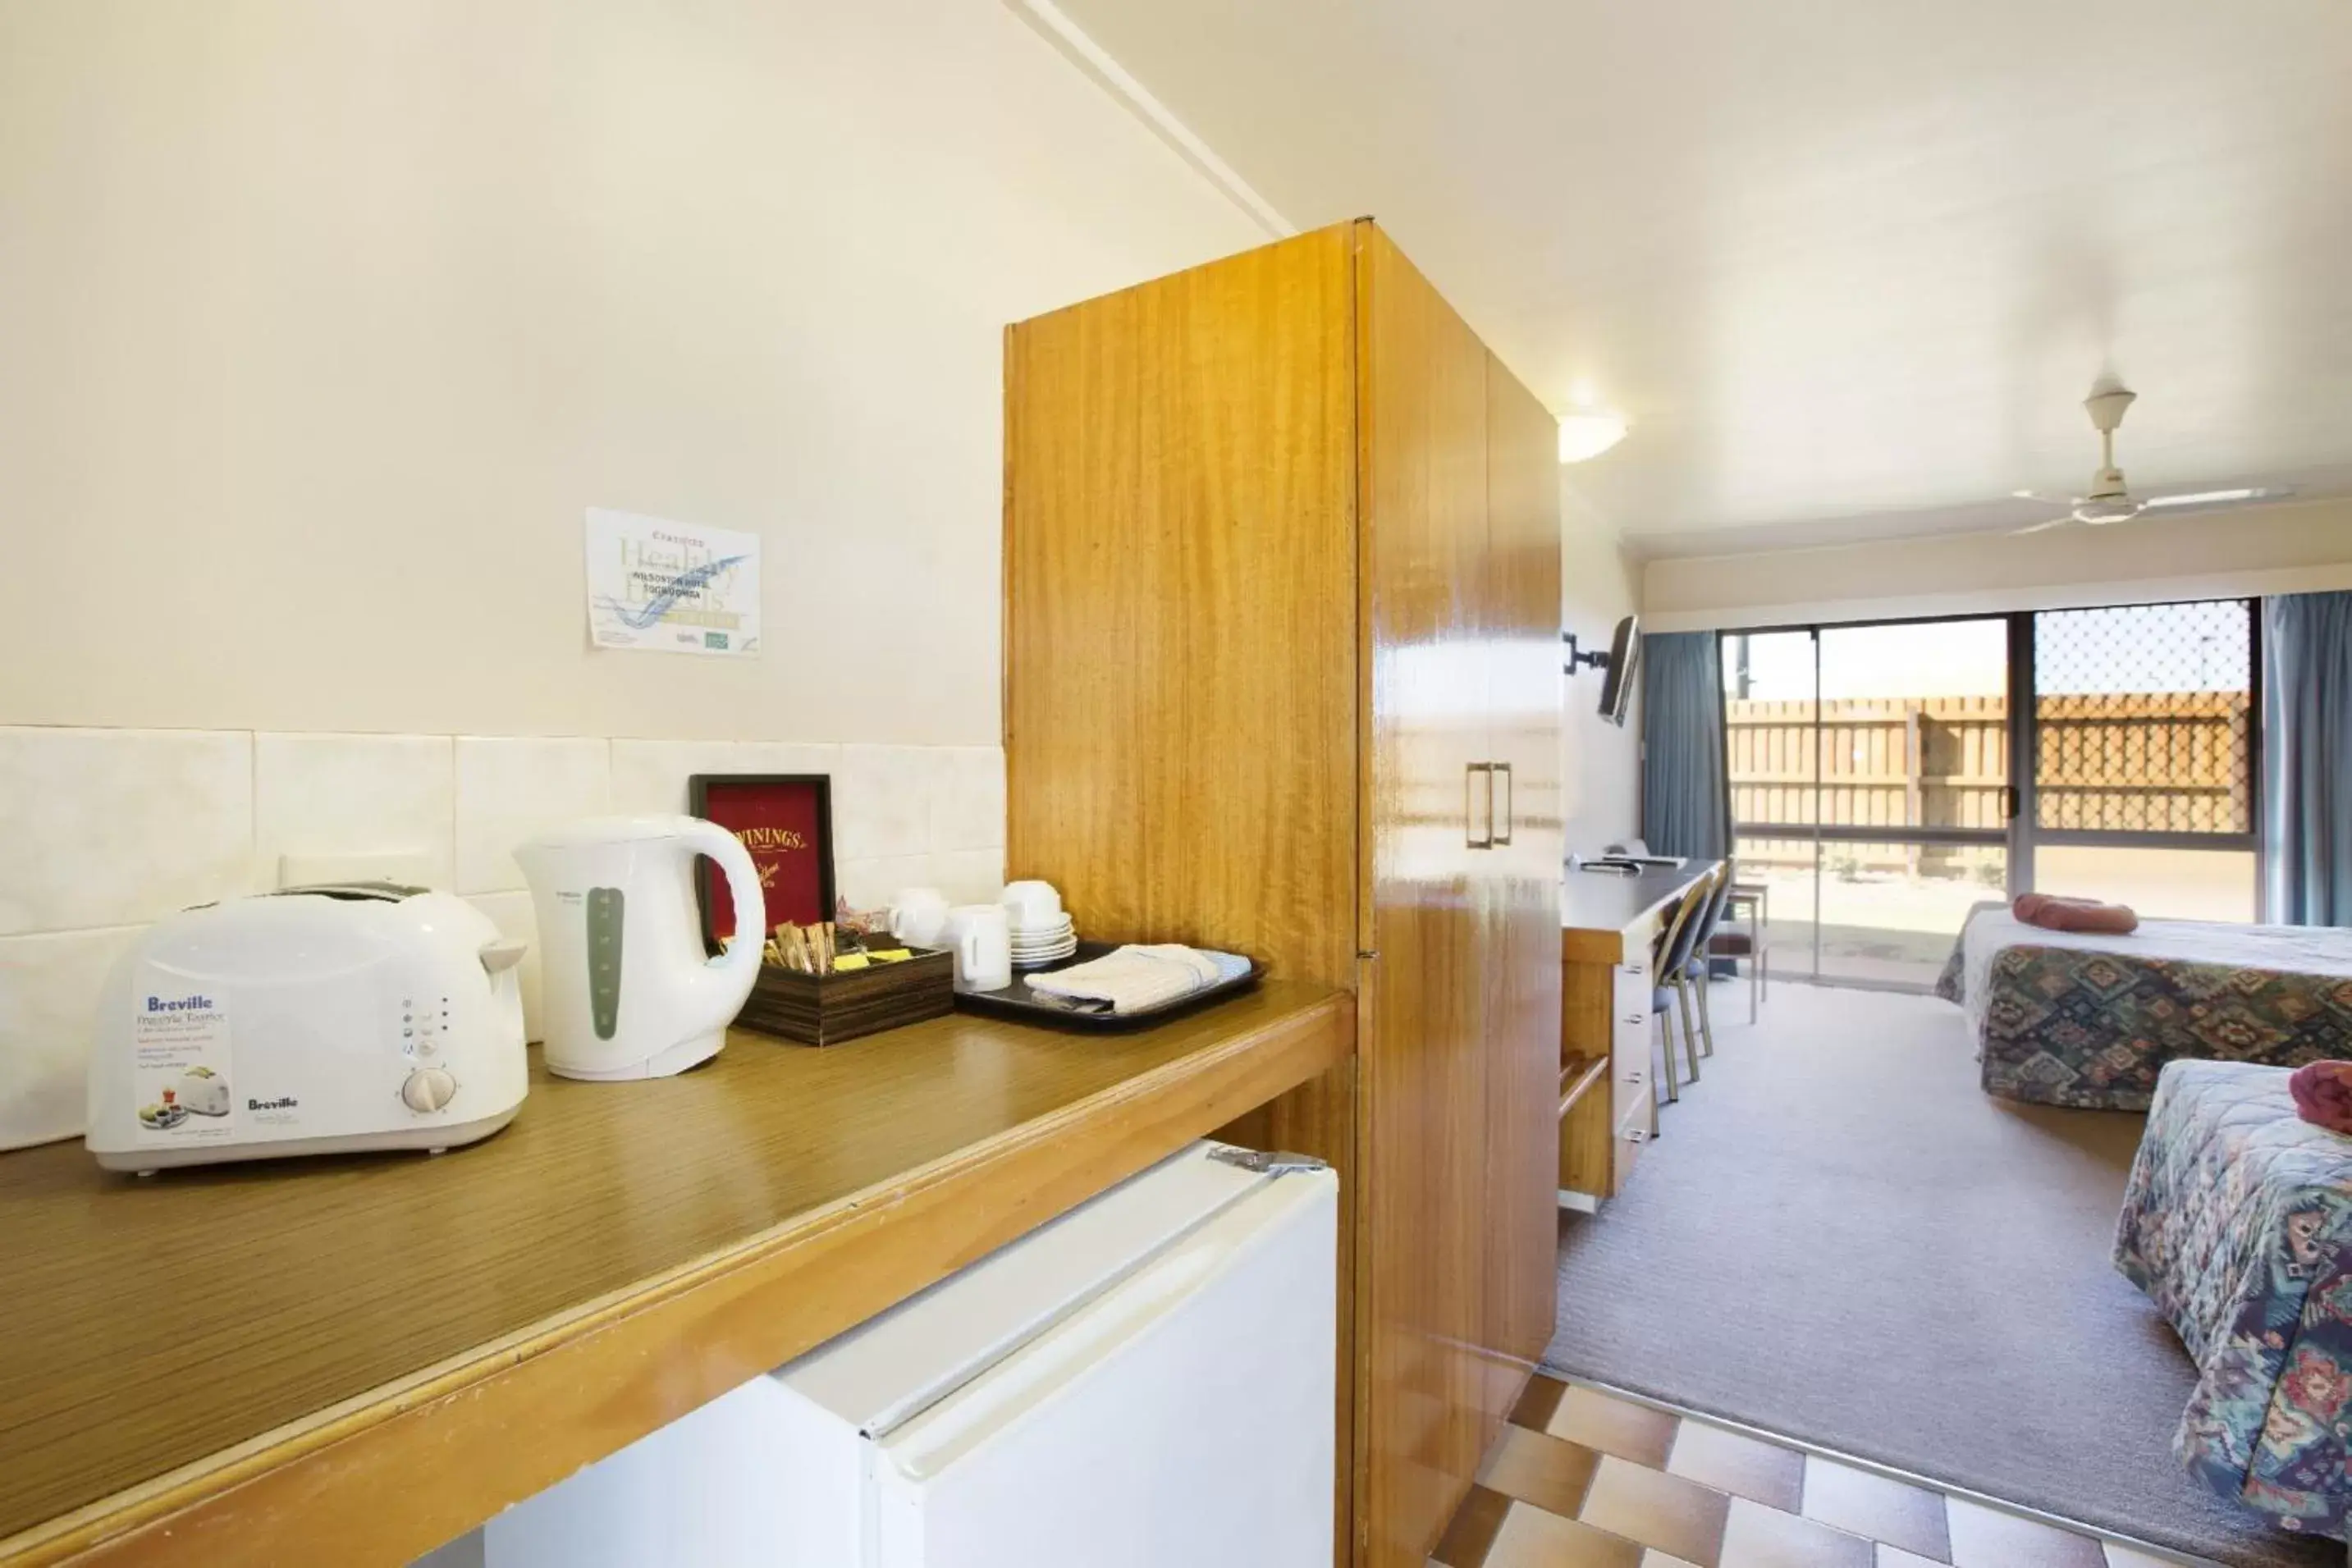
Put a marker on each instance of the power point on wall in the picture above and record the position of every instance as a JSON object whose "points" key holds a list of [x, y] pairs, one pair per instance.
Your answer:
{"points": [[409, 868]]}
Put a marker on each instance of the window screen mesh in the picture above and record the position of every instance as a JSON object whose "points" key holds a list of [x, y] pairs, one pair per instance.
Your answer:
{"points": [[2145, 716]]}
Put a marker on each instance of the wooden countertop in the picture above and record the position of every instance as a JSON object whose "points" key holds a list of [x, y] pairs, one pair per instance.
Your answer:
{"points": [[1595, 908], [357, 1359]]}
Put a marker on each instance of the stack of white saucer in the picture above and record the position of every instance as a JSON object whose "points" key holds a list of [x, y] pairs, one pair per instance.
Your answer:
{"points": [[1041, 930]]}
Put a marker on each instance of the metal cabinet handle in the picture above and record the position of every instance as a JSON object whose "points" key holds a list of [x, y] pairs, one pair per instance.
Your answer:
{"points": [[1637, 1019], [1636, 1134], [1510, 800], [1470, 833], [1634, 1076]]}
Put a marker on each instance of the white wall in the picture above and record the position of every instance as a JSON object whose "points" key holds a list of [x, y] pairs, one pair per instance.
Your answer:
{"points": [[325, 319], [2292, 547], [1602, 781]]}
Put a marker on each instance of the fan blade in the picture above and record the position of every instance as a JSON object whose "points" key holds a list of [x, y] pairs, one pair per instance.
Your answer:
{"points": [[2204, 500], [2045, 499], [2044, 527]]}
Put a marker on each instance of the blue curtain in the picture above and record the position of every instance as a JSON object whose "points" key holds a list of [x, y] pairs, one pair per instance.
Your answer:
{"points": [[2307, 759], [1685, 795]]}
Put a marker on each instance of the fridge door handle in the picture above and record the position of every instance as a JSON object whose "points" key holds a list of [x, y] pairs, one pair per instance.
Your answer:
{"points": [[1266, 1161], [1509, 818]]}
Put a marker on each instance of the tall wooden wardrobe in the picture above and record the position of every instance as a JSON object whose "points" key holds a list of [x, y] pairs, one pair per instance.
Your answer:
{"points": [[1282, 676]]}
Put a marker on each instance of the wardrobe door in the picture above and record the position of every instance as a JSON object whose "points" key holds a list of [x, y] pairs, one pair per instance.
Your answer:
{"points": [[1180, 637], [1431, 1397], [1520, 615]]}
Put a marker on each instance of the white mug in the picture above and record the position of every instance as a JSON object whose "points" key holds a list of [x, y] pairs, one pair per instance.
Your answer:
{"points": [[982, 941], [1033, 905], [919, 916]]}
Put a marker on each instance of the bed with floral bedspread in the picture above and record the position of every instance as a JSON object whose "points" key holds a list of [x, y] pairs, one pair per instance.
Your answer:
{"points": [[2088, 1021], [2237, 1224]]}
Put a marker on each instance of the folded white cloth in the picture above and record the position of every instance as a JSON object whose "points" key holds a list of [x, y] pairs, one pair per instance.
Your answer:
{"points": [[1132, 978]]}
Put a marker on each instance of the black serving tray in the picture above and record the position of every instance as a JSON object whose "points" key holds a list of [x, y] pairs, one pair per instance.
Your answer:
{"points": [[1019, 1004]]}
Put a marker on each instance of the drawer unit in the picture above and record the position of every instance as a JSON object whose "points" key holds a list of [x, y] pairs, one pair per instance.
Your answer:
{"points": [[1630, 1070], [1608, 986], [1634, 988], [1629, 1030], [1604, 1128], [1632, 1137]]}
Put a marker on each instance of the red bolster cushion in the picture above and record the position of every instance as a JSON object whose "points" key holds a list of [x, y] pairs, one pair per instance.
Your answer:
{"points": [[2323, 1094], [2085, 915]]}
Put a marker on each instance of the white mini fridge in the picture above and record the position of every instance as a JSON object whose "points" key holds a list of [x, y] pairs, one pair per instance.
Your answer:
{"points": [[1143, 1382]]}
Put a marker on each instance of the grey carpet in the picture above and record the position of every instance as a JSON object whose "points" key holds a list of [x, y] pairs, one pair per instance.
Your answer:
{"points": [[1839, 1237]]}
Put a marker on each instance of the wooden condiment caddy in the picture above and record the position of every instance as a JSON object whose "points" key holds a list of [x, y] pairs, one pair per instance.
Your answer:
{"points": [[826, 1009]]}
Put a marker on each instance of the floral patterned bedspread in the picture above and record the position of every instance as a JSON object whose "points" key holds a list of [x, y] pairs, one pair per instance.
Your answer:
{"points": [[2088, 1029], [1952, 983], [2237, 1224]]}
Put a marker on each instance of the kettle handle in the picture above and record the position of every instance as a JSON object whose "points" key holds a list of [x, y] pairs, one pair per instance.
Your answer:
{"points": [[743, 889]]}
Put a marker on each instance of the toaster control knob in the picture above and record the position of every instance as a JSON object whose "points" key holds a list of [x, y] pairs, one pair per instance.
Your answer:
{"points": [[427, 1089]]}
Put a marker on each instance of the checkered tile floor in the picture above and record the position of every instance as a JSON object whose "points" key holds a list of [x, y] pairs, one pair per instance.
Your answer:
{"points": [[1582, 1479]]}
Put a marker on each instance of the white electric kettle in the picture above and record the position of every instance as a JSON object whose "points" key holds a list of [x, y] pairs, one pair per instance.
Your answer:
{"points": [[628, 992]]}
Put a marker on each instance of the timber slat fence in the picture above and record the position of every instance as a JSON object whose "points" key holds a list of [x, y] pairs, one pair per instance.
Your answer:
{"points": [[2135, 762]]}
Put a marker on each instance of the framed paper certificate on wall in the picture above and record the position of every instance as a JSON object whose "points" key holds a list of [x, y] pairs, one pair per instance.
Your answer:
{"points": [[785, 821]]}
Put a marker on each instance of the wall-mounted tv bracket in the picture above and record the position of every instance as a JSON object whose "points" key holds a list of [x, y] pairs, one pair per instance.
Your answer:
{"points": [[1576, 661]]}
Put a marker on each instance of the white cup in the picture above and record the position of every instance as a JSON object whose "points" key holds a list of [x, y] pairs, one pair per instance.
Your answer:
{"points": [[1033, 905], [919, 916], [982, 941]]}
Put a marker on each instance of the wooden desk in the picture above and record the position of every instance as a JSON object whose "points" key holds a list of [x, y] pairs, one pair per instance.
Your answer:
{"points": [[356, 1359], [1606, 1098]]}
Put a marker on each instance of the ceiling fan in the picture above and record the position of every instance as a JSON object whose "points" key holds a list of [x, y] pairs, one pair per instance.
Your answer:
{"points": [[2108, 500]]}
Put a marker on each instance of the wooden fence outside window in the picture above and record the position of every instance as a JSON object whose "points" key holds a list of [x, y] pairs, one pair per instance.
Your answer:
{"points": [[2133, 762]]}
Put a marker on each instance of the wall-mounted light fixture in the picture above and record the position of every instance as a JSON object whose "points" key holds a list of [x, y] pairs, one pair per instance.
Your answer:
{"points": [[1588, 433]]}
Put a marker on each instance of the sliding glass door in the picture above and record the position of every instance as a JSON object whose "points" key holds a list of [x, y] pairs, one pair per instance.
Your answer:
{"points": [[1887, 777], [1869, 773]]}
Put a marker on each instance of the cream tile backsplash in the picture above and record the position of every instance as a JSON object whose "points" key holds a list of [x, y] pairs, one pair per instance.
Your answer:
{"points": [[968, 876], [48, 990], [868, 884], [353, 794], [968, 797], [784, 757], [882, 801], [509, 787], [102, 830], [110, 827], [651, 775]]}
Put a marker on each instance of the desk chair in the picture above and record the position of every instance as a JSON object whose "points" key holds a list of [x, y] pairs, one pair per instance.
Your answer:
{"points": [[1668, 957], [1695, 969]]}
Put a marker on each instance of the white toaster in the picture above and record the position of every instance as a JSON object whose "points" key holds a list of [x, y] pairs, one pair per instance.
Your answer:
{"points": [[311, 1021]]}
